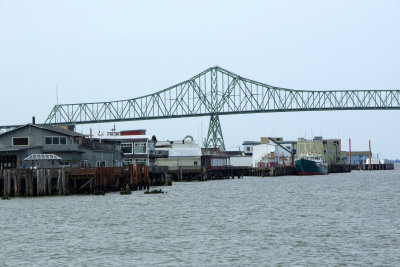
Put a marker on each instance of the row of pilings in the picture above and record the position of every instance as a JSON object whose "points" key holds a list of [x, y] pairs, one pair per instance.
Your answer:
{"points": [[39, 182], [65, 181], [140, 177], [204, 174]]}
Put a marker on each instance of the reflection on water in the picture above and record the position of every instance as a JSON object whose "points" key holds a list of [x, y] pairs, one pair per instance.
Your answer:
{"points": [[338, 219]]}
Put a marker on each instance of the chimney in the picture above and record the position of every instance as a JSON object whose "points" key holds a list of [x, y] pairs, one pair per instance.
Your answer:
{"points": [[33, 120]]}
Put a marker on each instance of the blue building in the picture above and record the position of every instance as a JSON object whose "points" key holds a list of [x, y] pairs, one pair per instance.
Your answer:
{"points": [[357, 157]]}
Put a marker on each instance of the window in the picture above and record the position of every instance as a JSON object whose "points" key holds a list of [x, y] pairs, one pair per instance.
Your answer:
{"points": [[55, 140], [127, 162], [20, 141], [127, 148], [84, 163], [101, 163], [218, 162], [140, 148], [248, 148], [64, 163], [195, 163], [141, 161]]}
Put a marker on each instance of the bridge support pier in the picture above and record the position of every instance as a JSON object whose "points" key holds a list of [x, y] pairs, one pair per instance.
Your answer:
{"points": [[215, 139]]}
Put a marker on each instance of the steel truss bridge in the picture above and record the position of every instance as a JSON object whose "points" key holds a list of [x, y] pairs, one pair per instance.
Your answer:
{"points": [[216, 92]]}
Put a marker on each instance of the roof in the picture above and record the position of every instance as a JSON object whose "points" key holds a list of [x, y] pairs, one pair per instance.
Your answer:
{"points": [[42, 157], [17, 148], [128, 137], [234, 153], [356, 153], [135, 130], [51, 128], [253, 143], [57, 129]]}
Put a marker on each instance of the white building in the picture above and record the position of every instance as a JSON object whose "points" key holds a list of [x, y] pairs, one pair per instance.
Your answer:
{"points": [[268, 155], [183, 154], [375, 161], [241, 161]]}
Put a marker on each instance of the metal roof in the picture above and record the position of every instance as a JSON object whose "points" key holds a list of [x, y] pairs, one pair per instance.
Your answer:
{"points": [[42, 157], [127, 137], [56, 129]]}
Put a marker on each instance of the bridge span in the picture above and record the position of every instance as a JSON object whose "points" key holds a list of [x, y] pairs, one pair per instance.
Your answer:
{"points": [[216, 92]]}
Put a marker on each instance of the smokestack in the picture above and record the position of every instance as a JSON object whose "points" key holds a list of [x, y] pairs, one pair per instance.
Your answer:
{"points": [[33, 120]]}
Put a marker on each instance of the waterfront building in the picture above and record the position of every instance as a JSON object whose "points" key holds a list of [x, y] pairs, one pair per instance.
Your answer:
{"points": [[183, 154], [271, 154], [329, 149], [74, 149], [248, 145], [214, 159], [357, 157], [137, 147], [239, 159]]}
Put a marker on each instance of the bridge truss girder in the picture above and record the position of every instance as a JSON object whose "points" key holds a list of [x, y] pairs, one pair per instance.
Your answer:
{"points": [[215, 92]]}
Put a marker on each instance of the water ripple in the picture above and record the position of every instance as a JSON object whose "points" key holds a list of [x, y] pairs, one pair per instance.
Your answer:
{"points": [[335, 220]]}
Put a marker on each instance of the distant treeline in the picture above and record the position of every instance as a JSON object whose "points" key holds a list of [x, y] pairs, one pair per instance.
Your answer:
{"points": [[392, 161]]}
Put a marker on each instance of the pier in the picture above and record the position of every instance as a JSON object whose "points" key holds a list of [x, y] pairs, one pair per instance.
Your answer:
{"points": [[65, 181], [372, 167]]}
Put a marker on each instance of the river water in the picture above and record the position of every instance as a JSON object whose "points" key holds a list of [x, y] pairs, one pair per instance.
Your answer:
{"points": [[350, 219]]}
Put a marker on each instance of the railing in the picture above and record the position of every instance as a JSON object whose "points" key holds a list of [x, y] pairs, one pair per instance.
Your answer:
{"points": [[159, 154], [54, 148], [98, 146]]}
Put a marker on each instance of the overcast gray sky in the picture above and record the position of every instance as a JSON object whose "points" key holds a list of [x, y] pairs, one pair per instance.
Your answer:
{"points": [[111, 50]]}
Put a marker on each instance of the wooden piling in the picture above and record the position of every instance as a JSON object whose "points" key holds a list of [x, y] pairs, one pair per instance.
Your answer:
{"points": [[146, 176], [30, 182], [59, 182], [370, 155], [131, 175], [49, 185], [138, 176], [350, 153], [16, 184], [38, 182], [65, 182], [7, 182]]}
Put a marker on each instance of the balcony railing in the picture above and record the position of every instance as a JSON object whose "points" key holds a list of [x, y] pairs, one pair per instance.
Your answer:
{"points": [[159, 154], [98, 146], [55, 148]]}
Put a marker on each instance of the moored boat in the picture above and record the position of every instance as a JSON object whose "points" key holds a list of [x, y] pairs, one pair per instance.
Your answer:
{"points": [[311, 165]]}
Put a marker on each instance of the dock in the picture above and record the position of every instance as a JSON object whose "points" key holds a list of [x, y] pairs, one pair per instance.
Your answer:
{"points": [[65, 181], [373, 167]]}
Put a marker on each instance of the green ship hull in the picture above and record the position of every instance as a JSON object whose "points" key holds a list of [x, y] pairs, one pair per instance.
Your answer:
{"points": [[309, 167]]}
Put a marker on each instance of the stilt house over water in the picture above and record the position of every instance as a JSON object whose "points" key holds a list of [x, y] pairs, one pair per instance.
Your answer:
{"points": [[74, 149]]}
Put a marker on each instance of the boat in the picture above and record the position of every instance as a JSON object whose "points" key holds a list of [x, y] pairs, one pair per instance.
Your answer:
{"points": [[311, 164]]}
